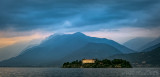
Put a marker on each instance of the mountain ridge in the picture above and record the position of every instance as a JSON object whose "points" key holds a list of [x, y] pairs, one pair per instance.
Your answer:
{"points": [[56, 47], [137, 43], [150, 44], [141, 59]]}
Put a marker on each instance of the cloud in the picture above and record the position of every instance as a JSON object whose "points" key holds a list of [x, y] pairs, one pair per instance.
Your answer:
{"points": [[24, 15], [24, 20], [10, 38], [121, 35]]}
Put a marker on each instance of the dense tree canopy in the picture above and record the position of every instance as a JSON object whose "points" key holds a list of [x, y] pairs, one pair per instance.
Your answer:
{"points": [[116, 63]]}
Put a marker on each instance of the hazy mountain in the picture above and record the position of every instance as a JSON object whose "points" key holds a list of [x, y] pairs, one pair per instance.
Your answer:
{"points": [[150, 44], [151, 48], [12, 50], [56, 47], [142, 59], [137, 43], [16, 49], [92, 51]]}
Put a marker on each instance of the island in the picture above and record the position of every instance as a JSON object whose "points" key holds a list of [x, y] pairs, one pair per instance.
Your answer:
{"points": [[95, 63]]}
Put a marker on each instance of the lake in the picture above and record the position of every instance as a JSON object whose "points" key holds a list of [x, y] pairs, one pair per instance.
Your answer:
{"points": [[79, 72]]}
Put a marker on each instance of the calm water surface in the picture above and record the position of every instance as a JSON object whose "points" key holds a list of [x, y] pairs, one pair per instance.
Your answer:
{"points": [[79, 72]]}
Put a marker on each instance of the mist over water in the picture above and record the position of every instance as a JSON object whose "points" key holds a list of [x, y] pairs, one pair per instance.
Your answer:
{"points": [[79, 72]]}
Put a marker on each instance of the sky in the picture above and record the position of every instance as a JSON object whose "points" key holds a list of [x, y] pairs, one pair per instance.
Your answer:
{"points": [[119, 20]]}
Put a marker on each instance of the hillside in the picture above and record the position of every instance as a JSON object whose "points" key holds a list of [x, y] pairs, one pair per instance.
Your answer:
{"points": [[142, 59], [57, 47], [91, 51], [150, 44], [137, 43]]}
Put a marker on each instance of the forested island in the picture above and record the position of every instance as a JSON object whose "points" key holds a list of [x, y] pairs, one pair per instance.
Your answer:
{"points": [[95, 63]]}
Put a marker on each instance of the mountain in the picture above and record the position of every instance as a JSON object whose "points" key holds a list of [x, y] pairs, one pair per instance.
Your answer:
{"points": [[151, 48], [15, 49], [142, 59], [137, 43], [150, 44], [57, 47], [12, 50], [86, 39], [92, 51]]}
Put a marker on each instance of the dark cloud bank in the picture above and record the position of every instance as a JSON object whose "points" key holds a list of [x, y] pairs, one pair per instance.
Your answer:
{"points": [[33, 14]]}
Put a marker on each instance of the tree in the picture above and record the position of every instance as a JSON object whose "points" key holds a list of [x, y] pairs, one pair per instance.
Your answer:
{"points": [[116, 63]]}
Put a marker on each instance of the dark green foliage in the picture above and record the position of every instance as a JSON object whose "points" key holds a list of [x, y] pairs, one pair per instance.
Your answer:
{"points": [[119, 63], [116, 63], [74, 64]]}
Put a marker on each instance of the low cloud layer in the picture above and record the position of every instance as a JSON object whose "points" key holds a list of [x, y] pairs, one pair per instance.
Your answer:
{"points": [[11, 38], [122, 35], [27, 15], [32, 19]]}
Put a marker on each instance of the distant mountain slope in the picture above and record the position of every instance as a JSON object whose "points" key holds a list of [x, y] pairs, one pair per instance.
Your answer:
{"points": [[81, 37], [12, 50], [137, 43], [150, 44], [92, 51], [56, 47], [142, 59], [15, 49], [151, 48]]}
